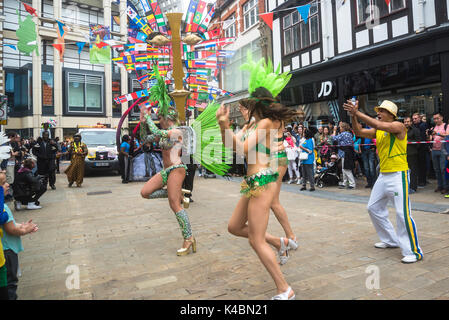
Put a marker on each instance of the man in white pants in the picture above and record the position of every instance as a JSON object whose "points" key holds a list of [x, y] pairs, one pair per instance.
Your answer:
{"points": [[393, 182]]}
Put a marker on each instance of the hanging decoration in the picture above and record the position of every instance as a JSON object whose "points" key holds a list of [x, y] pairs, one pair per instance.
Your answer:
{"points": [[268, 19], [100, 52], [26, 34], [30, 9]]}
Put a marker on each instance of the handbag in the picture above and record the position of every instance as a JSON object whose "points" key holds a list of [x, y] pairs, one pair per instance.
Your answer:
{"points": [[303, 155]]}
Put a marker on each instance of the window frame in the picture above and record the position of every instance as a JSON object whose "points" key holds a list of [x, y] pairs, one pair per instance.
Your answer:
{"points": [[85, 112], [300, 24], [232, 26], [247, 10], [371, 4]]}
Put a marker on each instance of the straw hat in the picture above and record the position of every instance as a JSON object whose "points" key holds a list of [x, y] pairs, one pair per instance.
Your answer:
{"points": [[389, 106]]}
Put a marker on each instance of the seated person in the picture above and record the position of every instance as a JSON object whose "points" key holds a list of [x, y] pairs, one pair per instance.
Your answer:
{"points": [[27, 187], [328, 164]]}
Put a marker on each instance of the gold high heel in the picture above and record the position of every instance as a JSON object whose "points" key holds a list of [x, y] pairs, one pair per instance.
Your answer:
{"points": [[186, 251]]}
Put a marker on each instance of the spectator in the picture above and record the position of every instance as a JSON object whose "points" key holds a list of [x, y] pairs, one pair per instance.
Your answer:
{"points": [[3, 218], [292, 154], [413, 135], [124, 158], [27, 187], [318, 134], [11, 162], [45, 128], [45, 151], [63, 151], [324, 143], [346, 153], [58, 153], [438, 133], [12, 244], [423, 150], [307, 165]]}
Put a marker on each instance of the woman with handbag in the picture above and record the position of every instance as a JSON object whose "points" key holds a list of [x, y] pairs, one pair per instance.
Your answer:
{"points": [[307, 158], [292, 154]]}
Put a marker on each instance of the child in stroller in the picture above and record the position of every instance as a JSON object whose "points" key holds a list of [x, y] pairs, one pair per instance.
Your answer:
{"points": [[328, 175]]}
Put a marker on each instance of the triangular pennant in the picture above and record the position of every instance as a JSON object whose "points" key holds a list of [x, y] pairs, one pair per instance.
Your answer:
{"points": [[11, 46], [101, 44], [304, 12], [61, 28], [80, 46], [30, 9], [387, 2], [268, 18], [59, 47]]}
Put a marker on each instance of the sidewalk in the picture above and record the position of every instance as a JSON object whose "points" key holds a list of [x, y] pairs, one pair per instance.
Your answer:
{"points": [[125, 248]]}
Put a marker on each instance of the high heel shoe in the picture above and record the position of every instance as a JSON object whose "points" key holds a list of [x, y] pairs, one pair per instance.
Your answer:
{"points": [[283, 258], [186, 200], [292, 244], [284, 295], [186, 251]]}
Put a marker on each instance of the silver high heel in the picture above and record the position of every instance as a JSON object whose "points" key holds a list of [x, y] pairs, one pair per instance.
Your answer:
{"points": [[292, 244], [283, 259], [284, 295]]}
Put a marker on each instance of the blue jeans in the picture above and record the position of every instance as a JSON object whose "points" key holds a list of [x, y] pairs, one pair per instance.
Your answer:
{"points": [[369, 165], [439, 165]]}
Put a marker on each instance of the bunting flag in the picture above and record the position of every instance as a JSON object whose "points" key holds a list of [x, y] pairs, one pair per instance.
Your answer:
{"points": [[159, 16], [30, 9], [214, 43], [206, 21], [152, 21], [100, 52], [138, 21], [198, 15], [26, 34], [61, 28], [80, 46], [60, 48], [191, 14], [10, 46], [131, 96], [101, 44], [212, 34], [268, 18], [388, 2], [144, 105], [141, 37], [304, 12]]}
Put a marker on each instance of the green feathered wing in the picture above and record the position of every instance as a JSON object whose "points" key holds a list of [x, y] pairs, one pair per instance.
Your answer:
{"points": [[159, 94], [262, 74], [210, 150]]}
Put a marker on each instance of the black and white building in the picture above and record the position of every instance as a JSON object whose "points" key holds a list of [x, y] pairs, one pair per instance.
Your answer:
{"points": [[363, 48]]}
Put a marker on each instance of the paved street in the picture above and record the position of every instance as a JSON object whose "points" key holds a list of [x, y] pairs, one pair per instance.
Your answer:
{"points": [[125, 247]]}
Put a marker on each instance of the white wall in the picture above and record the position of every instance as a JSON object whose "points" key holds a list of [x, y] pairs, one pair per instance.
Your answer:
{"points": [[447, 7], [429, 13], [327, 29], [277, 51], [344, 28]]}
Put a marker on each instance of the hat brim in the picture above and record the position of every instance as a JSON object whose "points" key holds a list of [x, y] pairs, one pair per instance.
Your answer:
{"points": [[379, 107]]}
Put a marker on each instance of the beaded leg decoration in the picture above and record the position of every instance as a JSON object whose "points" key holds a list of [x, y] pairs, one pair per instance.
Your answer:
{"points": [[184, 223], [159, 194]]}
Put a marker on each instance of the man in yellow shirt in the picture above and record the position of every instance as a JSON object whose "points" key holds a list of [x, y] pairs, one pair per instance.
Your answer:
{"points": [[393, 182]]}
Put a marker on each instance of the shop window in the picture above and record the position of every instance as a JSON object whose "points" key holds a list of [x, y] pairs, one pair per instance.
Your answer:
{"points": [[250, 14], [85, 93], [19, 91], [377, 8], [298, 34]]}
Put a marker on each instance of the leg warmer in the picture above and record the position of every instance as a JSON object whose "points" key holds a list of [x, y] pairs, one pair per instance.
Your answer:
{"points": [[184, 223]]}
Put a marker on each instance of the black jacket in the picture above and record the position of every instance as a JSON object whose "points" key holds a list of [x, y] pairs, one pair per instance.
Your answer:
{"points": [[25, 183], [45, 151], [413, 134]]}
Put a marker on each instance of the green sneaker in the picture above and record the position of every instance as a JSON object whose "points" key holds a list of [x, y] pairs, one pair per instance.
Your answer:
{"points": [[447, 196]]}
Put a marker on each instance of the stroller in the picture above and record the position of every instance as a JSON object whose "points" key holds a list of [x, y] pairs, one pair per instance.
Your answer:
{"points": [[327, 177]]}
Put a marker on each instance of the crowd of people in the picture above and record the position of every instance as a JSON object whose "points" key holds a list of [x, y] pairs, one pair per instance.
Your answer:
{"points": [[343, 156]]}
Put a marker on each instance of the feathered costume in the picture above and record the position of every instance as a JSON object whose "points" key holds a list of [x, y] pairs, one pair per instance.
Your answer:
{"points": [[201, 140], [262, 75]]}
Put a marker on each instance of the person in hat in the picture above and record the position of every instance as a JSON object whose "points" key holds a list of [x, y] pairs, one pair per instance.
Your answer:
{"points": [[75, 171], [393, 181]]}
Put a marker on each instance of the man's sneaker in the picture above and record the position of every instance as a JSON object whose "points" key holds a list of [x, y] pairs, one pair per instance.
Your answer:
{"points": [[290, 181], [409, 259], [17, 205], [383, 245], [298, 181], [349, 187], [341, 187], [53, 187], [33, 206]]}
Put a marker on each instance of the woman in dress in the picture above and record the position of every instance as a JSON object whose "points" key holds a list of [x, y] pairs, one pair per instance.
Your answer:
{"points": [[75, 171]]}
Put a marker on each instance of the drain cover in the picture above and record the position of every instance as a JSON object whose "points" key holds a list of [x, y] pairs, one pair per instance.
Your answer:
{"points": [[98, 192]]}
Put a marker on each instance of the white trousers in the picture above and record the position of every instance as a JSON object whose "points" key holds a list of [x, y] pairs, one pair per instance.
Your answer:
{"points": [[394, 186], [293, 167], [348, 177]]}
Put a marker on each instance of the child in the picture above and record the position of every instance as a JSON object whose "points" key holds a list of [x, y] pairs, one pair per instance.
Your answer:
{"points": [[12, 244], [3, 219]]}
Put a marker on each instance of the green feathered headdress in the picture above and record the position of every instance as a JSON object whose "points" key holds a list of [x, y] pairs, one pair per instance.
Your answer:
{"points": [[262, 75], [159, 95]]}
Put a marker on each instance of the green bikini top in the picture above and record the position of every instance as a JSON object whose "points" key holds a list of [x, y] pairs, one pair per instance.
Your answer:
{"points": [[259, 147]]}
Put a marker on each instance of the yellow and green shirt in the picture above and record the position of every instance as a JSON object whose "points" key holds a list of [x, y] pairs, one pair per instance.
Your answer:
{"points": [[2, 256], [392, 152]]}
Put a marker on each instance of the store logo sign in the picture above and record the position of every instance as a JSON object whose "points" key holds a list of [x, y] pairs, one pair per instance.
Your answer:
{"points": [[326, 89]]}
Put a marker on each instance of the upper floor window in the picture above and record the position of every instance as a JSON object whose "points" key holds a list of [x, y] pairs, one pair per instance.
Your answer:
{"points": [[377, 8], [298, 34], [250, 14], [229, 27]]}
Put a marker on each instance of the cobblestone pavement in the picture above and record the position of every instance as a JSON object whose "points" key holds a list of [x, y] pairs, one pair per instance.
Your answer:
{"points": [[125, 248]]}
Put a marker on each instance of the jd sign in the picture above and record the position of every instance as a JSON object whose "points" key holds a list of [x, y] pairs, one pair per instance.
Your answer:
{"points": [[326, 89]]}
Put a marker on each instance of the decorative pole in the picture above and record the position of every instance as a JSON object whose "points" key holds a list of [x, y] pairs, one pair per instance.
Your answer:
{"points": [[179, 95]]}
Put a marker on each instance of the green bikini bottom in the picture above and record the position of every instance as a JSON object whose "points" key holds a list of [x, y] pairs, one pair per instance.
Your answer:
{"points": [[166, 172], [255, 184]]}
